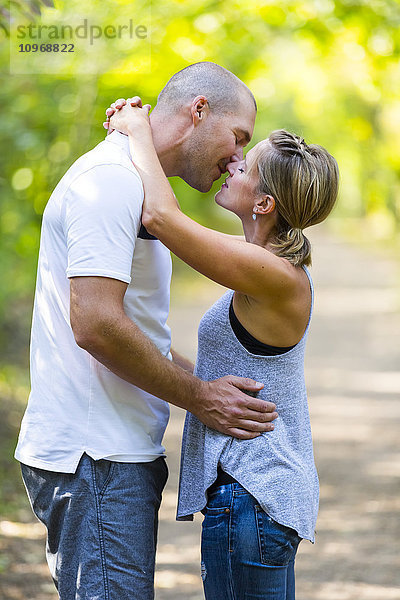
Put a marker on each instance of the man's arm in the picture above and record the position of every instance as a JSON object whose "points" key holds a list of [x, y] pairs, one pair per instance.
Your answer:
{"points": [[102, 328]]}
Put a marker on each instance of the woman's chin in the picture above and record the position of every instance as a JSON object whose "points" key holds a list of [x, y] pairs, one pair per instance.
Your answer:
{"points": [[219, 199]]}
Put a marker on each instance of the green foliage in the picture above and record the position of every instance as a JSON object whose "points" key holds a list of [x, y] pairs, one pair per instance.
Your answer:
{"points": [[13, 394], [30, 8], [327, 69]]}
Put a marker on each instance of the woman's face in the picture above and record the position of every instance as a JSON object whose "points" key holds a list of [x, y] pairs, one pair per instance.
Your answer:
{"points": [[239, 192]]}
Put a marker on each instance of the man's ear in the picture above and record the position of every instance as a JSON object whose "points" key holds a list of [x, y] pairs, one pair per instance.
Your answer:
{"points": [[264, 205], [199, 109]]}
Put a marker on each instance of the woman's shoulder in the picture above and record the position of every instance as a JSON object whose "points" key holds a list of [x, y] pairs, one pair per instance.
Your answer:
{"points": [[288, 280], [278, 317]]}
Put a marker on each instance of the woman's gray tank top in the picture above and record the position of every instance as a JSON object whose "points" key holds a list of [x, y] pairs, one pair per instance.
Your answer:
{"points": [[277, 468]]}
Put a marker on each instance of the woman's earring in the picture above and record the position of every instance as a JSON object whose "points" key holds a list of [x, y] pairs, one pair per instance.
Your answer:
{"points": [[254, 216]]}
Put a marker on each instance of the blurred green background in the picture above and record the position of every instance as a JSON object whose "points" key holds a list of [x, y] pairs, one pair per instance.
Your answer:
{"points": [[326, 69]]}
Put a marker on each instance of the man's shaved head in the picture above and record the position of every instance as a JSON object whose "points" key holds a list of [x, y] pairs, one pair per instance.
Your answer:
{"points": [[203, 119], [222, 88]]}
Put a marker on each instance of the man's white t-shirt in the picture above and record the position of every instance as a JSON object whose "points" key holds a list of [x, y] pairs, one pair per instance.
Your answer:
{"points": [[92, 227]]}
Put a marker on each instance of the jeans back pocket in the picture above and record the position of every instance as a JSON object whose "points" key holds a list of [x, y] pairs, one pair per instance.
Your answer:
{"points": [[278, 544]]}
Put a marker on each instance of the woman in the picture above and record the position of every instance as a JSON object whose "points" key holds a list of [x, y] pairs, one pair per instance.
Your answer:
{"points": [[259, 497]]}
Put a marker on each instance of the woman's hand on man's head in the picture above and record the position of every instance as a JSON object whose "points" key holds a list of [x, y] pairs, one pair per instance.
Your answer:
{"points": [[126, 115]]}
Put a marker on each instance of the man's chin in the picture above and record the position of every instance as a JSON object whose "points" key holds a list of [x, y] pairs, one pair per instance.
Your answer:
{"points": [[206, 187], [201, 186]]}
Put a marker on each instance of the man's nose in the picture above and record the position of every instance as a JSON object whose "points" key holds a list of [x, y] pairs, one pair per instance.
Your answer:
{"points": [[238, 156], [234, 160]]}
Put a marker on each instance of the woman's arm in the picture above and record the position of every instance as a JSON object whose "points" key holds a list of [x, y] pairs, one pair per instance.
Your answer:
{"points": [[182, 361], [232, 262]]}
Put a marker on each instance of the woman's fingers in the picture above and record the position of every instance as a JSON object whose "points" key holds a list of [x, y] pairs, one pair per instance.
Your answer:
{"points": [[112, 111], [135, 101], [107, 126], [119, 103]]}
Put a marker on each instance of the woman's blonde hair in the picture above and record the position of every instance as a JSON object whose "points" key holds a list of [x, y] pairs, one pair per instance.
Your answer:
{"points": [[303, 179]]}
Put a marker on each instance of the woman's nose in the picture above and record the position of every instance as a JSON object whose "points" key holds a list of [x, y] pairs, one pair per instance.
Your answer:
{"points": [[232, 166]]}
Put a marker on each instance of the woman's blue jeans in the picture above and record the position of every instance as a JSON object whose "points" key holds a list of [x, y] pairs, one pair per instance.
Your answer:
{"points": [[246, 555]]}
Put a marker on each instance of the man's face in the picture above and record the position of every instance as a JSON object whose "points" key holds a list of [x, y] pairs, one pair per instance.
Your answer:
{"points": [[216, 143]]}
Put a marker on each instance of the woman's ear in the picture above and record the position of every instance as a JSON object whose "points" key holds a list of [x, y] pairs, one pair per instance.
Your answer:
{"points": [[264, 205], [199, 109]]}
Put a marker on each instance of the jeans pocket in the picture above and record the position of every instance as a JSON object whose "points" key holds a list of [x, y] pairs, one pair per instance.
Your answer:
{"points": [[215, 523], [278, 544], [218, 501], [102, 470]]}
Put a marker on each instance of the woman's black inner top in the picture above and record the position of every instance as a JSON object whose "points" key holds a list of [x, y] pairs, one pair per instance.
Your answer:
{"points": [[250, 342]]}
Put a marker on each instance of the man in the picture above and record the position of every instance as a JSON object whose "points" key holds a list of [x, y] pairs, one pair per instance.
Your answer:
{"points": [[91, 438]]}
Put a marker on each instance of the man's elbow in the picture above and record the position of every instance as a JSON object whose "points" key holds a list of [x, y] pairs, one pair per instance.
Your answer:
{"points": [[85, 336], [96, 311], [88, 332]]}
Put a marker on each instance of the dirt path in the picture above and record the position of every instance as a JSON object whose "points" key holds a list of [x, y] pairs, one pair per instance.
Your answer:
{"points": [[353, 376]]}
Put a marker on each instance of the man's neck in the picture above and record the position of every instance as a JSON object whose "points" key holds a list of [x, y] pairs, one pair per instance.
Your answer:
{"points": [[168, 143]]}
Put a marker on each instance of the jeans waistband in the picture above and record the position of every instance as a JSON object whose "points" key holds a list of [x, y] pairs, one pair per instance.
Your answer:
{"points": [[223, 478]]}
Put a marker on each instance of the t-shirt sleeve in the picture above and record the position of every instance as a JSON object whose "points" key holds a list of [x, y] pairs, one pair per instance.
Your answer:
{"points": [[102, 216]]}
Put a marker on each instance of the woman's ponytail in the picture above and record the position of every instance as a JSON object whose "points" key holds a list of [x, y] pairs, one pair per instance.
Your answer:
{"points": [[303, 179], [293, 245]]}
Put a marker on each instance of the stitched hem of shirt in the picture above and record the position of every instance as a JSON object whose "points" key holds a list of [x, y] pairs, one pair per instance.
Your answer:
{"points": [[133, 458], [38, 463], [96, 272]]}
